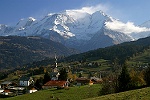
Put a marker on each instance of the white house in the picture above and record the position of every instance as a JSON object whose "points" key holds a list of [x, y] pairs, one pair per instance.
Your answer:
{"points": [[25, 81]]}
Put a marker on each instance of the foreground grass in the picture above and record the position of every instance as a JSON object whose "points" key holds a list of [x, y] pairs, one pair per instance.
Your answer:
{"points": [[139, 94], [73, 93]]}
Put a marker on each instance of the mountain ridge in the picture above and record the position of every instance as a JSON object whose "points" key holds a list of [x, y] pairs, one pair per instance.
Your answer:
{"points": [[121, 51], [76, 29]]}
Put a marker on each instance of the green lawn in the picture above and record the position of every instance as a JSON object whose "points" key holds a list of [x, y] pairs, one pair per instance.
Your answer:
{"points": [[73, 93], [139, 94]]}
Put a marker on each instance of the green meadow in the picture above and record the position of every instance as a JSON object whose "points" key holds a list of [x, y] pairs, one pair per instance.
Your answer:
{"points": [[139, 94], [72, 93]]}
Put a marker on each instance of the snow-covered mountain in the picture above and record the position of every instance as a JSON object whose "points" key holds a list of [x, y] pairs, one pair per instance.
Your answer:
{"points": [[77, 29], [145, 26]]}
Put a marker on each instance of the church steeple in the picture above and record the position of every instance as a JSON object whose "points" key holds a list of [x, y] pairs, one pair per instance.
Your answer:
{"points": [[55, 69], [55, 74], [55, 60]]}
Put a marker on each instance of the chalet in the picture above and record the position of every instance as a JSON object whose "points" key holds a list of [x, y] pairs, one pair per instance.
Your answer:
{"points": [[83, 81], [6, 84], [25, 81], [55, 84], [96, 80], [18, 90], [7, 92]]}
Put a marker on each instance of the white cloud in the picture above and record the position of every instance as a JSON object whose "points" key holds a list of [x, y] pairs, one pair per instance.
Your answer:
{"points": [[92, 9], [127, 28]]}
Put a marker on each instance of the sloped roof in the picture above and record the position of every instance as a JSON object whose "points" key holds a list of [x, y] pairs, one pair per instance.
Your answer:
{"points": [[24, 78], [83, 80], [6, 91], [52, 74], [7, 82], [31, 88], [55, 83]]}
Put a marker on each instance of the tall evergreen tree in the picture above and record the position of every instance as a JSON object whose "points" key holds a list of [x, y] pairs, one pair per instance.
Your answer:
{"points": [[63, 74], [90, 75], [124, 79], [38, 84], [147, 76], [46, 77], [80, 75]]}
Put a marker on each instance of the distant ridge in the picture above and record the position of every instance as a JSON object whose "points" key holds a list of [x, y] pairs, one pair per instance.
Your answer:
{"points": [[16, 51], [121, 51]]}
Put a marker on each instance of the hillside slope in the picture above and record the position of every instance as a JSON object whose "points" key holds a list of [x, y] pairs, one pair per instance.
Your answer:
{"points": [[122, 51], [16, 51], [139, 94]]}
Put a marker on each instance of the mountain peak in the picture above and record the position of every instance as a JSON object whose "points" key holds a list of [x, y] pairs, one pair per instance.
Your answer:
{"points": [[100, 12], [76, 14], [25, 22], [31, 19]]}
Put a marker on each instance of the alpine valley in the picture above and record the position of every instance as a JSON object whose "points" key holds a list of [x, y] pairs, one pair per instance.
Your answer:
{"points": [[74, 55], [78, 29]]}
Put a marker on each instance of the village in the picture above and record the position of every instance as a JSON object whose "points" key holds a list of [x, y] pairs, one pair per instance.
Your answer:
{"points": [[57, 79]]}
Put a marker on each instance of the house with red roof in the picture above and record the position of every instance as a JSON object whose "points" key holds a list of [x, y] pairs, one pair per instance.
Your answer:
{"points": [[55, 84]]}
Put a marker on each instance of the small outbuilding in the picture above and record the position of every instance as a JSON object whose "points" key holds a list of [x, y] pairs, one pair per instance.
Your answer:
{"points": [[6, 84], [83, 81]]}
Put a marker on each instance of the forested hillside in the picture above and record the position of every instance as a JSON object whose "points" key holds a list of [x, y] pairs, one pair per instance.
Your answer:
{"points": [[122, 51], [16, 51]]}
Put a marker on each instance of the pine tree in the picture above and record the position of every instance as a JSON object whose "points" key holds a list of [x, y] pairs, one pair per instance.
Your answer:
{"points": [[46, 77], [38, 84], [124, 80], [63, 74], [80, 75], [147, 76]]}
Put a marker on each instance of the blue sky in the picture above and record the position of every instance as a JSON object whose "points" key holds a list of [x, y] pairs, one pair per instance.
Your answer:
{"points": [[11, 11]]}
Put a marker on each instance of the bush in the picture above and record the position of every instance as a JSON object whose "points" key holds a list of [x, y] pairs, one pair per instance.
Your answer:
{"points": [[107, 88], [109, 85]]}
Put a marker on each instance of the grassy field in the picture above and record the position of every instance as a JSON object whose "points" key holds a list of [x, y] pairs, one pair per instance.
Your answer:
{"points": [[83, 92], [139, 94], [73, 93]]}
